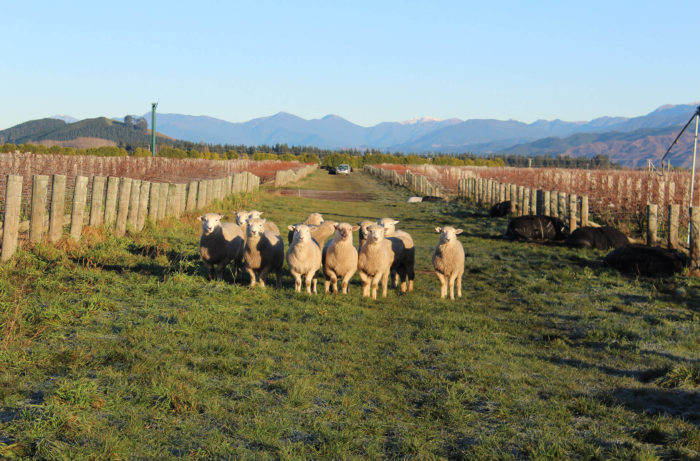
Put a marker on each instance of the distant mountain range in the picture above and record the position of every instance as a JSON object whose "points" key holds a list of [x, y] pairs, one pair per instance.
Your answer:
{"points": [[91, 132], [630, 141]]}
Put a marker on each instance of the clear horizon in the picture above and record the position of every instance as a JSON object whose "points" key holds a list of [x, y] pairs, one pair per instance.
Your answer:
{"points": [[366, 62]]}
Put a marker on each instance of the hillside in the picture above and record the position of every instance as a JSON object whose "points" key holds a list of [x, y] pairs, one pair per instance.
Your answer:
{"points": [[58, 131], [633, 149]]}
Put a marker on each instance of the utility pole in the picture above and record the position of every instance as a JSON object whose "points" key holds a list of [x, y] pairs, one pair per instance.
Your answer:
{"points": [[153, 128]]}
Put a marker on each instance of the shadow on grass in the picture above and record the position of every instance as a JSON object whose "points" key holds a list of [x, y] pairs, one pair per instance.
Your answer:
{"points": [[678, 403]]}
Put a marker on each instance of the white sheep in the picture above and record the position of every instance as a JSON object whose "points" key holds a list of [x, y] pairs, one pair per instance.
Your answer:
{"points": [[319, 232], [219, 244], [363, 230], [374, 261], [403, 268], [242, 218], [448, 261], [263, 252], [340, 258], [303, 257]]}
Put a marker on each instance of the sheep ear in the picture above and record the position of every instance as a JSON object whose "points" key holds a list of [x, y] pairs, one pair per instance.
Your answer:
{"points": [[458, 231], [291, 227], [200, 218], [355, 228], [438, 230], [396, 222], [335, 226]]}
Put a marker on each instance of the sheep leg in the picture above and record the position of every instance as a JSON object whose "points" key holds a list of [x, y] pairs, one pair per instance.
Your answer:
{"points": [[252, 276], [385, 283], [315, 282], [443, 284], [452, 286], [346, 281], [297, 281], [459, 285], [307, 281], [278, 278], [375, 285], [333, 281], [365, 284], [262, 275], [411, 276]]}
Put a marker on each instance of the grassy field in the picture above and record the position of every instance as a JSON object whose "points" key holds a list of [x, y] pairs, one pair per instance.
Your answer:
{"points": [[121, 348]]}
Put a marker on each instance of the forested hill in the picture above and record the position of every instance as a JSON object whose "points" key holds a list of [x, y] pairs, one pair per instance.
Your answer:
{"points": [[133, 132]]}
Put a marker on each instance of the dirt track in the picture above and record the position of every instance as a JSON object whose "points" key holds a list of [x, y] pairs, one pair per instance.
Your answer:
{"points": [[341, 196]]}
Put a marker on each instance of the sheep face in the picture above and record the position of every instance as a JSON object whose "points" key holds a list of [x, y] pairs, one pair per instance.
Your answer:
{"points": [[389, 225], [242, 217], [210, 221], [448, 233], [375, 233], [363, 228], [344, 231], [302, 233], [256, 227], [315, 219]]}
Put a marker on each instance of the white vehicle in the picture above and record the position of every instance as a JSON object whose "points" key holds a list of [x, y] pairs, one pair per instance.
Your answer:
{"points": [[343, 169]]}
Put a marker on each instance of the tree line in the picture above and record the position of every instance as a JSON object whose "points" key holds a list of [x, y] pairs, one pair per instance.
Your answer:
{"points": [[326, 157]]}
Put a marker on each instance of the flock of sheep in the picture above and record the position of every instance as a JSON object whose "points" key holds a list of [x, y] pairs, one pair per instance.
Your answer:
{"points": [[385, 252]]}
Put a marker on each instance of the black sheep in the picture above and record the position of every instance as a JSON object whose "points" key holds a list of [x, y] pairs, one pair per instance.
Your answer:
{"points": [[601, 238], [536, 227], [645, 260], [500, 209]]}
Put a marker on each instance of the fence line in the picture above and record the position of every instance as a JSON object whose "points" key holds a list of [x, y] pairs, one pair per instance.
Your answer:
{"points": [[417, 183], [127, 202], [284, 177]]}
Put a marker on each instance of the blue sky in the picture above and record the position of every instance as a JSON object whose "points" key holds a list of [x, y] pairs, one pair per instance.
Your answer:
{"points": [[365, 61]]}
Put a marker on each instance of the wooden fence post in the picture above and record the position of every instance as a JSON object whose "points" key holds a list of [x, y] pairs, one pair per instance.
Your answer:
{"points": [[123, 206], [562, 206], [695, 239], [572, 212], [533, 201], [526, 201], [144, 195], [521, 200], [58, 205], [78, 211], [10, 225], [98, 194], [162, 199], [513, 198], [40, 186], [651, 224], [154, 201], [673, 219], [547, 203], [171, 206], [111, 202], [584, 210], [201, 195], [192, 195], [134, 199]]}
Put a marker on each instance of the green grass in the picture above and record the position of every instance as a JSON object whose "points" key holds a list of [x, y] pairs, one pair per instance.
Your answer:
{"points": [[121, 348]]}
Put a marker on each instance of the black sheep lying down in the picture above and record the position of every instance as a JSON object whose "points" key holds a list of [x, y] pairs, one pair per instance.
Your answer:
{"points": [[601, 238], [500, 209], [536, 228], [645, 260]]}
